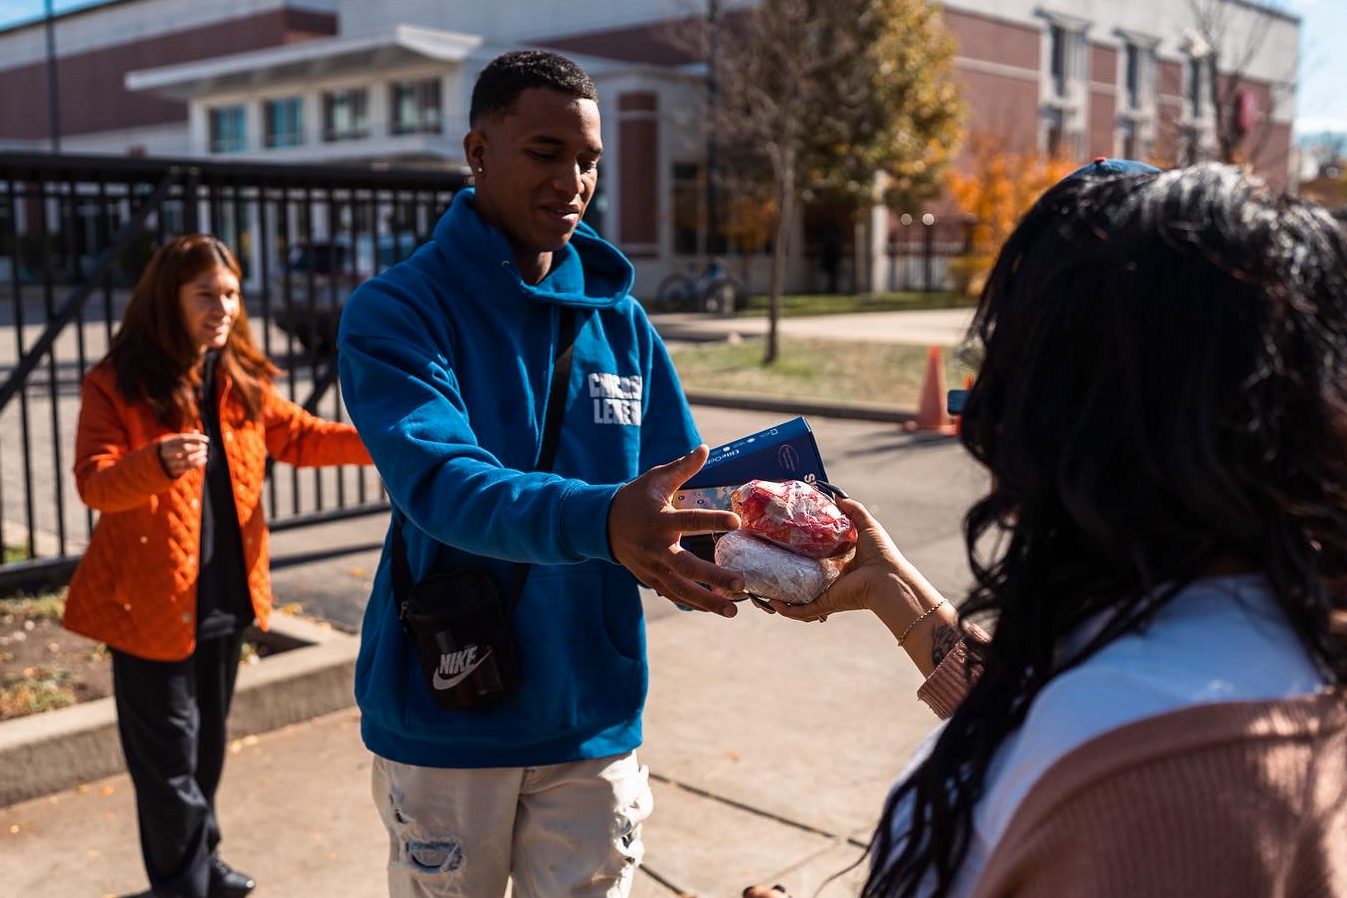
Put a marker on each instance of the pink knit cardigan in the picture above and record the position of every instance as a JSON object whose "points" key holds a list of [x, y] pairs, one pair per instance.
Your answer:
{"points": [[1228, 800]]}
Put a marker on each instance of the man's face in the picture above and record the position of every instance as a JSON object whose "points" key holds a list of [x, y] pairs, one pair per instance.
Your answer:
{"points": [[535, 167]]}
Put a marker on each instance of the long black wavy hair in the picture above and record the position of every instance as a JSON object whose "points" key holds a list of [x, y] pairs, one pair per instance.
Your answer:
{"points": [[1163, 393]]}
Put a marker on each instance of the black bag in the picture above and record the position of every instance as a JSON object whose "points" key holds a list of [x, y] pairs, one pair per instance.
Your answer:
{"points": [[460, 626], [458, 620]]}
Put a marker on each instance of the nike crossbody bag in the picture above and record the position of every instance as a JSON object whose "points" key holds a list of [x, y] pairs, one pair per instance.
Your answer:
{"points": [[458, 620]]}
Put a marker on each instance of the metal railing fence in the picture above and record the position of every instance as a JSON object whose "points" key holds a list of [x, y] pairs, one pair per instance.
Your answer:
{"points": [[75, 232]]}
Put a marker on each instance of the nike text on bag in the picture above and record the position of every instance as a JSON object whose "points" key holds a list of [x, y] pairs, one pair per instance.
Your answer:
{"points": [[461, 629]]}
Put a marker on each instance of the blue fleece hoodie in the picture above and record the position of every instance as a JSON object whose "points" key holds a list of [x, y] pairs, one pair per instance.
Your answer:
{"points": [[445, 365]]}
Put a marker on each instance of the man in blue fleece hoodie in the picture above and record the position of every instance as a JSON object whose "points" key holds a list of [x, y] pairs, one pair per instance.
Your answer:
{"points": [[446, 361]]}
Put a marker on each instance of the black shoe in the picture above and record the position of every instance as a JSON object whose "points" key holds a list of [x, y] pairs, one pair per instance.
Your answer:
{"points": [[226, 882]]}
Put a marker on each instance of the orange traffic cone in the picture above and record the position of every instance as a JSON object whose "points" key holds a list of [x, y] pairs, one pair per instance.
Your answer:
{"points": [[931, 413]]}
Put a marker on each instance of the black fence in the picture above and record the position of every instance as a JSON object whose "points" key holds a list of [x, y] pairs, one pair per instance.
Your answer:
{"points": [[75, 232], [922, 253]]}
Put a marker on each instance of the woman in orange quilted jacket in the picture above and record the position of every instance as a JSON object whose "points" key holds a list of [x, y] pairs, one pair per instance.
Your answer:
{"points": [[174, 431]]}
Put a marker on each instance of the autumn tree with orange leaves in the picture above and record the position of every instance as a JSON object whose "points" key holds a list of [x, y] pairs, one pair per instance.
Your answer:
{"points": [[997, 189]]}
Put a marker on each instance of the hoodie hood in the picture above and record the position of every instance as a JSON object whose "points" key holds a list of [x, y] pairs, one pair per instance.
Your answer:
{"points": [[588, 272]]}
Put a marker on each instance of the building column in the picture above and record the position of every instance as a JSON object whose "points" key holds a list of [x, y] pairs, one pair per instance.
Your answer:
{"points": [[311, 106], [877, 230]]}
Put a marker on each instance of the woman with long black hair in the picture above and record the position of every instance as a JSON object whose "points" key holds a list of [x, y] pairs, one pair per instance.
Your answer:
{"points": [[1161, 557]]}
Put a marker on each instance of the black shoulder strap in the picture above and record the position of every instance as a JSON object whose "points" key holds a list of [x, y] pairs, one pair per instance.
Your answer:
{"points": [[552, 415], [556, 394]]}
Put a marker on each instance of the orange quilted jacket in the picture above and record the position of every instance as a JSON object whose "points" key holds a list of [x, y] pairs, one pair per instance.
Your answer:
{"points": [[135, 588]]}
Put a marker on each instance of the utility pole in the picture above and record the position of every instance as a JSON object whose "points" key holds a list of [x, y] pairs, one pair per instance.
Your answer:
{"points": [[53, 104], [712, 116]]}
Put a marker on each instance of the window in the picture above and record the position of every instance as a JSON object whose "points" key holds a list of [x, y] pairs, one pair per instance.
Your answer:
{"points": [[688, 191], [1139, 72], [1196, 86], [227, 133], [1133, 77], [1130, 144], [1058, 141], [1190, 146], [283, 122], [345, 115], [1059, 40], [416, 107]]}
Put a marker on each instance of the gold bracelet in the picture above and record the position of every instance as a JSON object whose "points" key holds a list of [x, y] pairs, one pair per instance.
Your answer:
{"points": [[921, 617]]}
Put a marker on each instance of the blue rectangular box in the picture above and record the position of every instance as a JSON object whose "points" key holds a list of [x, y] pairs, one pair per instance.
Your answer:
{"points": [[784, 452]]}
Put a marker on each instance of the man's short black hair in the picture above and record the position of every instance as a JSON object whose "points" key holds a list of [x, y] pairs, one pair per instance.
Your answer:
{"points": [[510, 74]]}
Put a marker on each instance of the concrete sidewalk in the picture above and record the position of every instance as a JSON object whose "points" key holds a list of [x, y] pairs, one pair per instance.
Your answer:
{"points": [[923, 327], [771, 744]]}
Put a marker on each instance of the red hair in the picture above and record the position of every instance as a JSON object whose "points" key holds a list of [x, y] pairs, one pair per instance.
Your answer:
{"points": [[156, 360]]}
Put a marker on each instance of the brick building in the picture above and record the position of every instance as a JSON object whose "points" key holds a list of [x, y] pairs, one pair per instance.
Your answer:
{"points": [[388, 84]]}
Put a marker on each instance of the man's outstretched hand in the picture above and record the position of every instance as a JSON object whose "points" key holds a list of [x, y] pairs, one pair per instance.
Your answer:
{"points": [[643, 530]]}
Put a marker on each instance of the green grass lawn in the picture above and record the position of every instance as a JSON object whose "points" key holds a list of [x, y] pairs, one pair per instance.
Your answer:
{"points": [[890, 374], [841, 303]]}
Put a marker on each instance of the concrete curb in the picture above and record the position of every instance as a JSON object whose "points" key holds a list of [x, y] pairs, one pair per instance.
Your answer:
{"points": [[54, 750], [857, 411]]}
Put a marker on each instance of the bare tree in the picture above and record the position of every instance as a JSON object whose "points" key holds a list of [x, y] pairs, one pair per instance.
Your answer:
{"points": [[828, 95], [1227, 52]]}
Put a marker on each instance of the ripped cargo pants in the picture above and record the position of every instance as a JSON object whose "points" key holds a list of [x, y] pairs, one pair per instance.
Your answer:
{"points": [[560, 831]]}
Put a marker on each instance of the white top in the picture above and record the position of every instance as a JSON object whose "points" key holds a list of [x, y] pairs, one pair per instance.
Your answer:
{"points": [[1222, 639]]}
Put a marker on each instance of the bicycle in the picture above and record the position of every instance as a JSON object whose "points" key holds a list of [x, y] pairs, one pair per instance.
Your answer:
{"points": [[715, 292]]}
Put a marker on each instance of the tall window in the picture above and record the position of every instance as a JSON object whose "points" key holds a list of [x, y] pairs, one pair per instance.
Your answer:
{"points": [[346, 114], [1196, 86], [1190, 145], [227, 134], [283, 122], [1060, 56], [1133, 77], [1060, 140], [1056, 139], [688, 191], [416, 106], [1130, 145]]}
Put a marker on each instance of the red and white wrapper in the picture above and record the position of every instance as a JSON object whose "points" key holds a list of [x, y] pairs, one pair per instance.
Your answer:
{"points": [[773, 572], [795, 516]]}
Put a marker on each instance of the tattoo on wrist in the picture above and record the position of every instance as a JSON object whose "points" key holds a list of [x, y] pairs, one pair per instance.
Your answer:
{"points": [[943, 640]]}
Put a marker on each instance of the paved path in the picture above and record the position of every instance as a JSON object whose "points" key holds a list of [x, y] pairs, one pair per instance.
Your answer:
{"points": [[771, 743], [941, 327]]}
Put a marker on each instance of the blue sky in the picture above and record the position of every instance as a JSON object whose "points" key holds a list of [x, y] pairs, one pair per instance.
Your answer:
{"points": [[1322, 103]]}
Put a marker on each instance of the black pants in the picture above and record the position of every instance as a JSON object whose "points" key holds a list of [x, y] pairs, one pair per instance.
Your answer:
{"points": [[171, 717]]}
